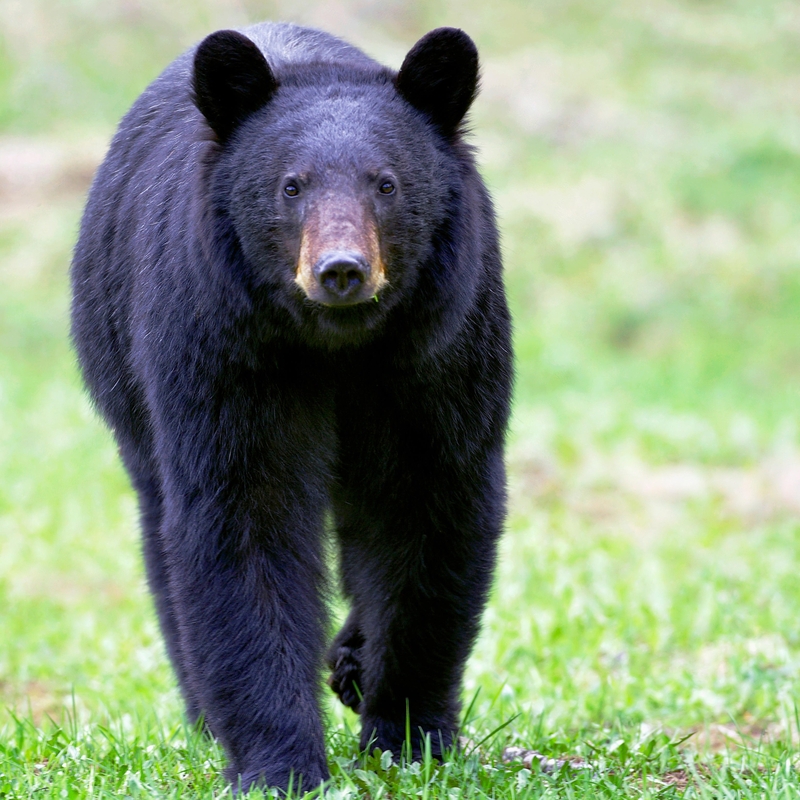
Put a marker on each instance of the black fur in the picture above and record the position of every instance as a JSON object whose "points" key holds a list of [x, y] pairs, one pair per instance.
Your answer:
{"points": [[245, 412]]}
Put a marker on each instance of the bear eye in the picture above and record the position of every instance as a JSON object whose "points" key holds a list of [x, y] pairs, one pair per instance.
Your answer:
{"points": [[387, 187], [291, 190]]}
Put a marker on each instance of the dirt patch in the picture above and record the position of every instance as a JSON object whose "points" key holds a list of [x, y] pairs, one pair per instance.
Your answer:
{"points": [[35, 171], [749, 734], [34, 700], [633, 495]]}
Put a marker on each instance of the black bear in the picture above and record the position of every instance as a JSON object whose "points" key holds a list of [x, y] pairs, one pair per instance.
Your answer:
{"points": [[289, 308]]}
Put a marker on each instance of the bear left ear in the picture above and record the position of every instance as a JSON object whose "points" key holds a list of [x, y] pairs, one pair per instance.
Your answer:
{"points": [[232, 80], [440, 77]]}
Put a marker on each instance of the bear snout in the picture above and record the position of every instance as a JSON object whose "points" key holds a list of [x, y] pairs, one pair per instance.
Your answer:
{"points": [[340, 260]]}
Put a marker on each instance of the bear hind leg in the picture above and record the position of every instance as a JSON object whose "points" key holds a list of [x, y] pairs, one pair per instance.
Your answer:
{"points": [[148, 490]]}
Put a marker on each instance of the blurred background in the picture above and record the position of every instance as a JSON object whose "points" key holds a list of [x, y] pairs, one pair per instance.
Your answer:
{"points": [[645, 163]]}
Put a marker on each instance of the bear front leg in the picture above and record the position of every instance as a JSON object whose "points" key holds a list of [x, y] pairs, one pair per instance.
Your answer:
{"points": [[251, 628], [244, 495], [417, 563]]}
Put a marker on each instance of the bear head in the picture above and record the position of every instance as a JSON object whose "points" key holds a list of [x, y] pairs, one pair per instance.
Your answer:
{"points": [[337, 178]]}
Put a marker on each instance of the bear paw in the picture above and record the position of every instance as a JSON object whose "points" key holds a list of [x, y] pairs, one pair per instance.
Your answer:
{"points": [[344, 659], [346, 677]]}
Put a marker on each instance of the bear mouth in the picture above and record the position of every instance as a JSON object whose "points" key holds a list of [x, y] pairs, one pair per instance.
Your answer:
{"points": [[345, 325], [345, 301], [364, 313]]}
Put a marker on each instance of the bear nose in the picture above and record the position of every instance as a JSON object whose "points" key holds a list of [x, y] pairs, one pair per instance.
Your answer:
{"points": [[342, 275]]}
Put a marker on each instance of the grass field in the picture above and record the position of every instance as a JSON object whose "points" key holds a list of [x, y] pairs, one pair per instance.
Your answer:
{"points": [[643, 631]]}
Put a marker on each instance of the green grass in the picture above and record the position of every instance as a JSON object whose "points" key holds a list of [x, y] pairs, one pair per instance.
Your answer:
{"points": [[645, 161]]}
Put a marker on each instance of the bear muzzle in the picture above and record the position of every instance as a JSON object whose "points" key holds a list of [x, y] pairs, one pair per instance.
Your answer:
{"points": [[341, 278], [340, 260]]}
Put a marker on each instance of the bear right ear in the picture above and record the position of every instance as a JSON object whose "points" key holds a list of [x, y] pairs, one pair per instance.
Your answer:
{"points": [[232, 80]]}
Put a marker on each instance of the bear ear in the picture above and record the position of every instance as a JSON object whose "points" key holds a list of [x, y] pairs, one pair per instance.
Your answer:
{"points": [[232, 79], [440, 77]]}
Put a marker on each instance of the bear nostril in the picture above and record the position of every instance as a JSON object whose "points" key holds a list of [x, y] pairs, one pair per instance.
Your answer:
{"points": [[341, 280], [355, 277], [342, 276]]}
